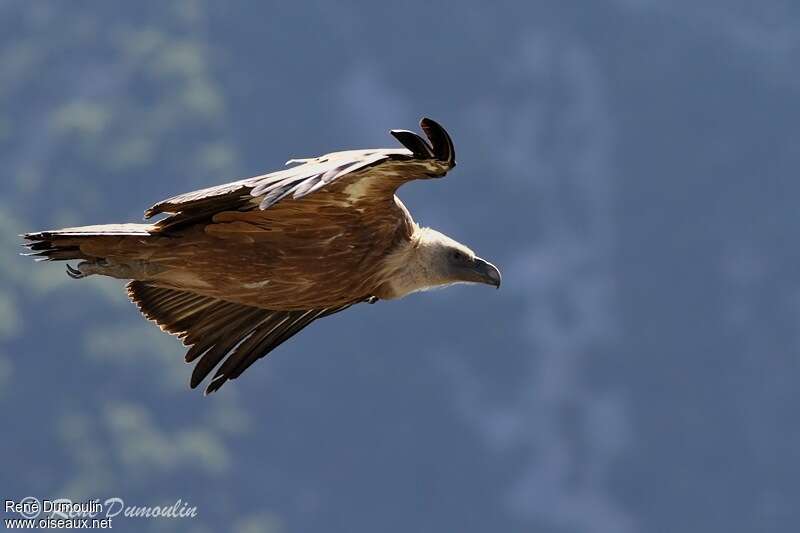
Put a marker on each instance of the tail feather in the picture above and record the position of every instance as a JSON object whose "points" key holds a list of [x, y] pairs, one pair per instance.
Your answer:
{"points": [[65, 244]]}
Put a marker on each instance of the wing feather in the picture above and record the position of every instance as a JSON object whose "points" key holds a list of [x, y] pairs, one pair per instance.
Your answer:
{"points": [[418, 146], [386, 170], [233, 334]]}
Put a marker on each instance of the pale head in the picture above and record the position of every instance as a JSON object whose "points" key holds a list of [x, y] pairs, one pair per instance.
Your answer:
{"points": [[430, 259], [438, 260], [447, 261]]}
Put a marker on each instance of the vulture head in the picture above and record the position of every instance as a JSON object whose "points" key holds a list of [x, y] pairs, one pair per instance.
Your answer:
{"points": [[446, 261]]}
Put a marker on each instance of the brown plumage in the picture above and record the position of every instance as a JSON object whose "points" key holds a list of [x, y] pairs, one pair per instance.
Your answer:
{"points": [[237, 269]]}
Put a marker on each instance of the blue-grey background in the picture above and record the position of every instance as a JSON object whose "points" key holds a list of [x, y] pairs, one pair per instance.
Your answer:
{"points": [[631, 165]]}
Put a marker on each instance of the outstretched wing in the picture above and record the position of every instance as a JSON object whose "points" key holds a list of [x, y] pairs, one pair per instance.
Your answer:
{"points": [[355, 178], [232, 334]]}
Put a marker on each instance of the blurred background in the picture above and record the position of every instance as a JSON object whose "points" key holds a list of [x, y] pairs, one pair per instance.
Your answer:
{"points": [[629, 164]]}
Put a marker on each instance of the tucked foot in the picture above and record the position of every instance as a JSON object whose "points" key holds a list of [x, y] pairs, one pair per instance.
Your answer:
{"points": [[74, 273]]}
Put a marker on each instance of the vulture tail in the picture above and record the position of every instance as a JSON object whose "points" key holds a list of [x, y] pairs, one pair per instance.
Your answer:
{"points": [[92, 244]]}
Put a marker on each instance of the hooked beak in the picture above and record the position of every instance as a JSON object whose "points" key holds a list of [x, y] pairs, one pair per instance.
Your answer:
{"points": [[487, 272]]}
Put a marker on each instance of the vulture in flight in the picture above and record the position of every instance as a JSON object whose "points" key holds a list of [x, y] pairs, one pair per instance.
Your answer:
{"points": [[237, 269]]}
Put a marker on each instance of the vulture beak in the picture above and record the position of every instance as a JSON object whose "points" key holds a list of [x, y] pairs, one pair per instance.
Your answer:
{"points": [[487, 273]]}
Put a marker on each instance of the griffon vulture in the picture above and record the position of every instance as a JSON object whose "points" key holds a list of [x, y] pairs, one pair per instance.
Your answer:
{"points": [[237, 269]]}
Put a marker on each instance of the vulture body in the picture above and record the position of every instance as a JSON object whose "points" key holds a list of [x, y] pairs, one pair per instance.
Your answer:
{"points": [[237, 269]]}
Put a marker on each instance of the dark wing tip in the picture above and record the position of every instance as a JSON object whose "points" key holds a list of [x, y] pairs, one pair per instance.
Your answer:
{"points": [[442, 144], [418, 146], [214, 385]]}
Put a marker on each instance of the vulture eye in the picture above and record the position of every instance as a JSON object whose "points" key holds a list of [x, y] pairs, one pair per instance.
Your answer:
{"points": [[458, 256]]}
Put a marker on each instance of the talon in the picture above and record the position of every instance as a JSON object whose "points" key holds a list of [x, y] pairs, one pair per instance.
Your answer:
{"points": [[74, 273]]}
